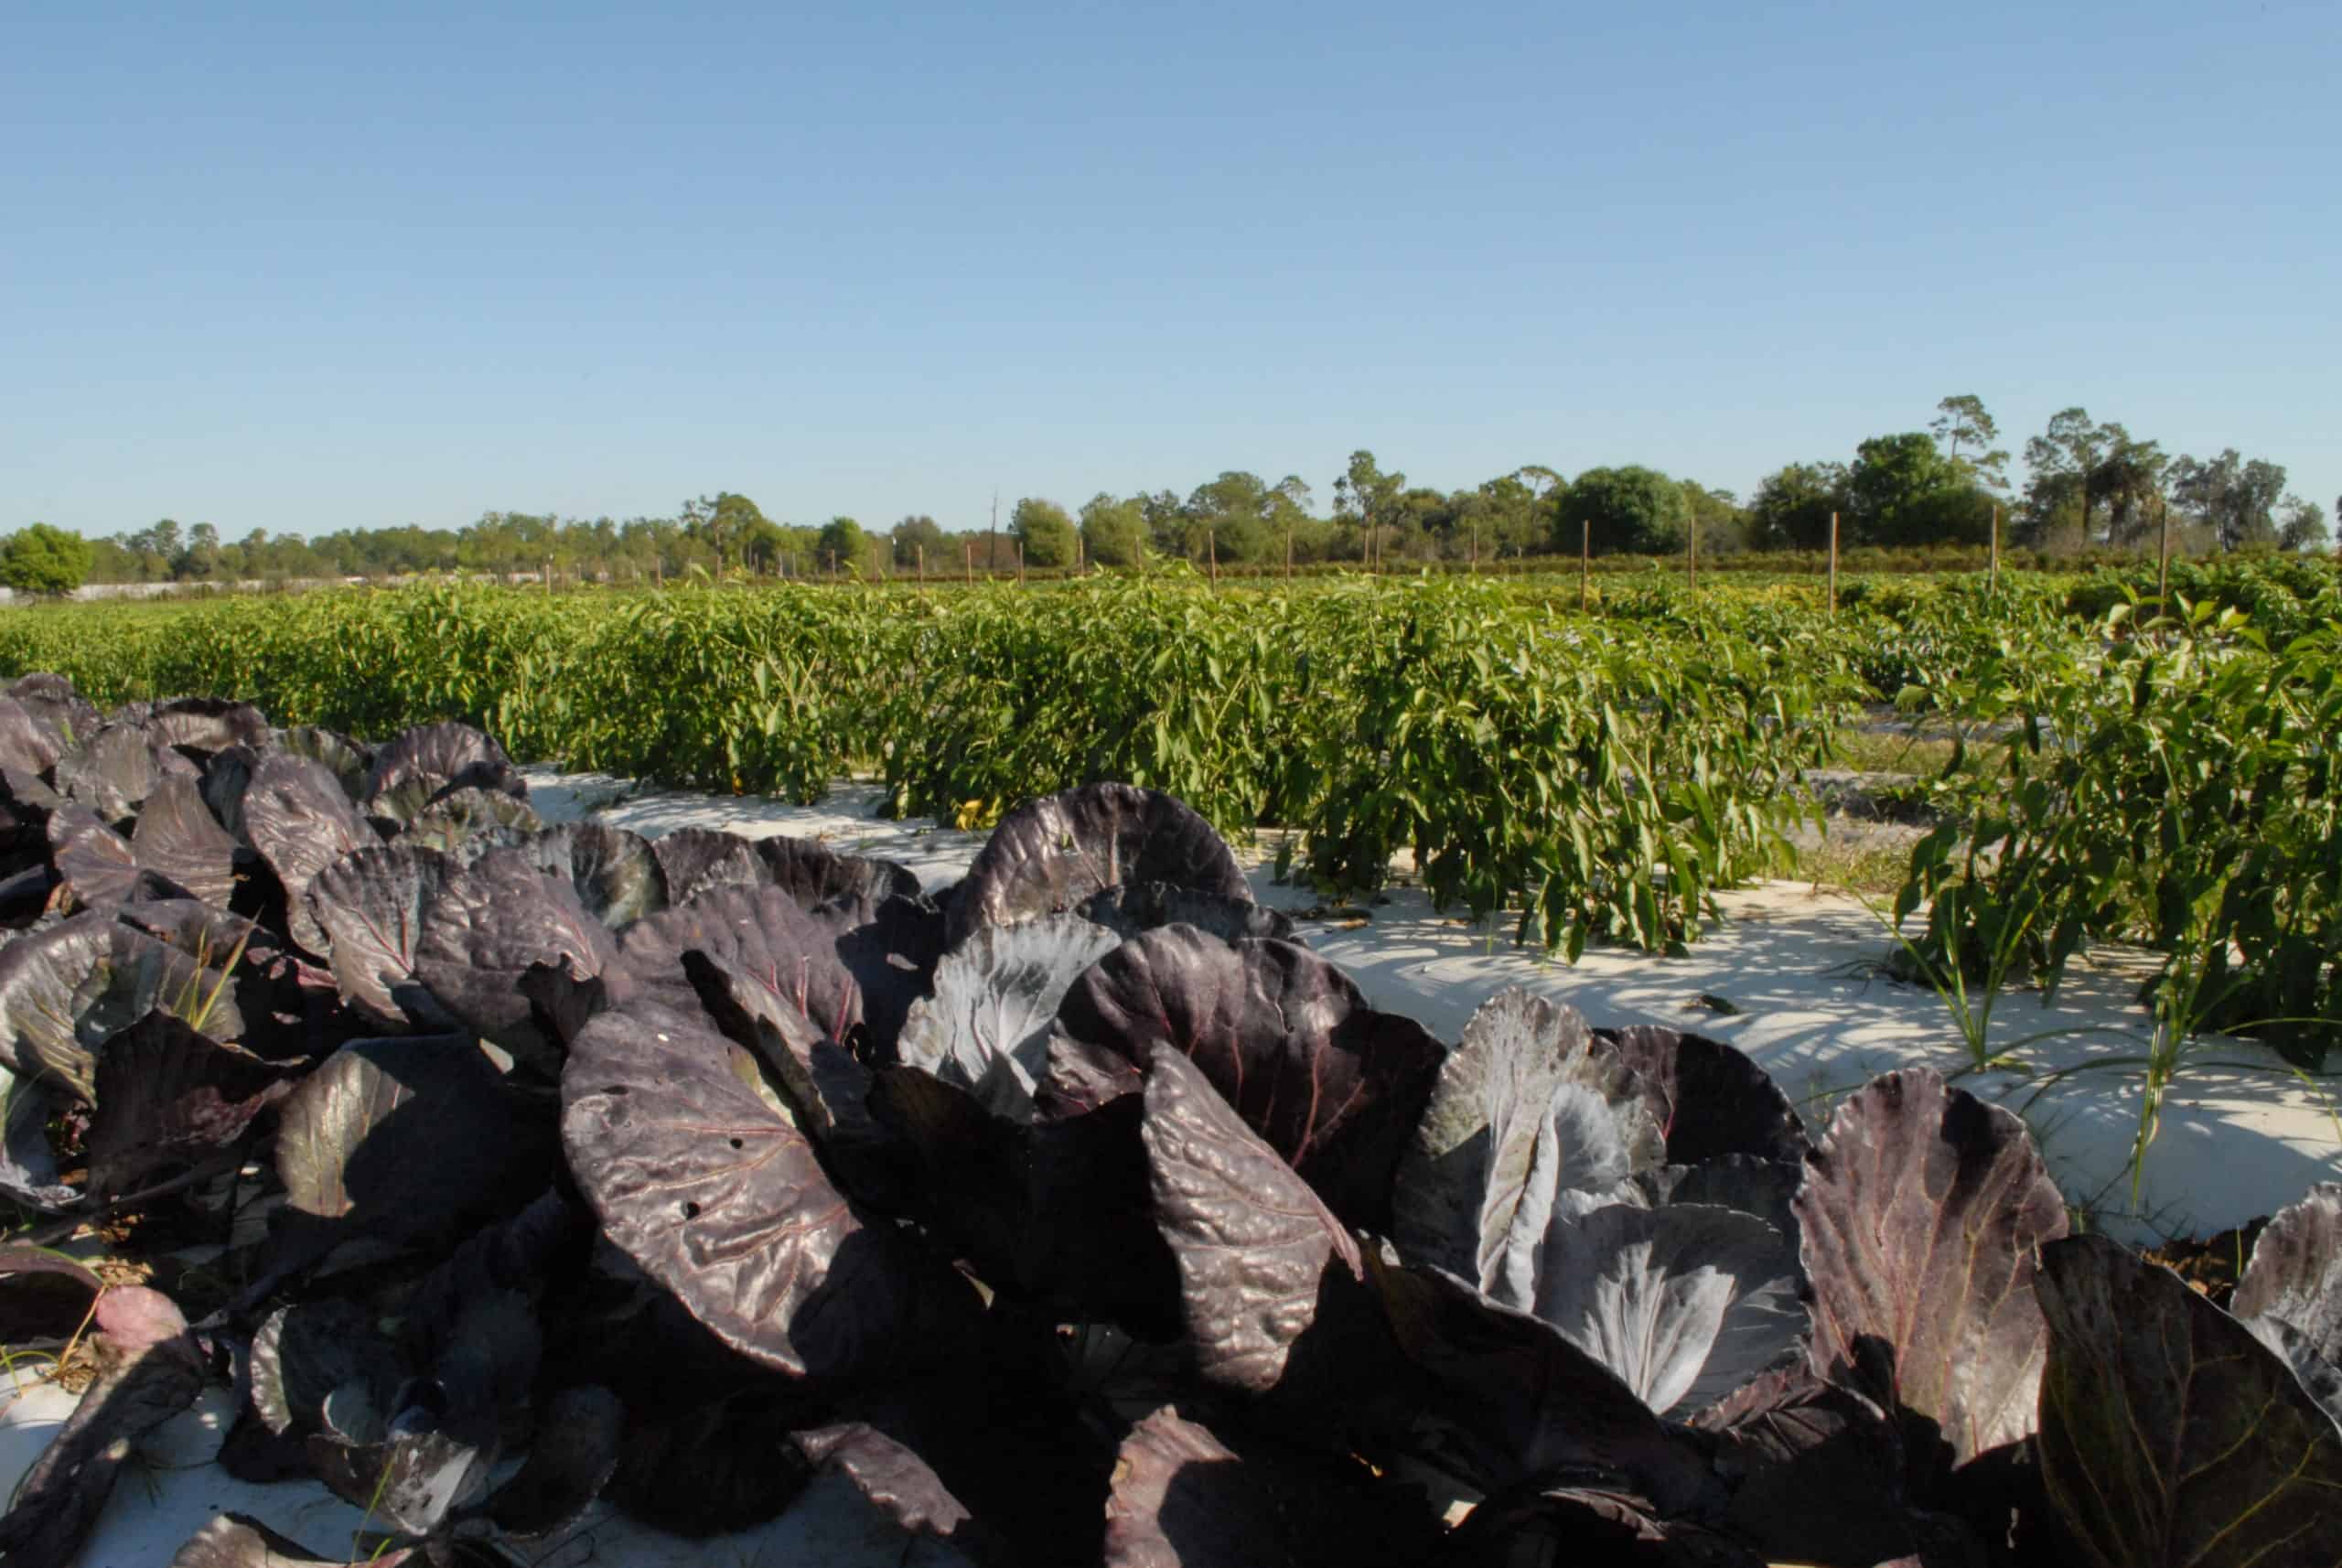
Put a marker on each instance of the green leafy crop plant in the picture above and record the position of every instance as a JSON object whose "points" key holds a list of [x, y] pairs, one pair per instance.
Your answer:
{"points": [[2156, 778], [2170, 783]]}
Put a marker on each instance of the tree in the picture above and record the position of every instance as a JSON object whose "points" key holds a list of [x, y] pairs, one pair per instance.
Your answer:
{"points": [[698, 518], [157, 548], [1962, 422], [2126, 487], [2301, 525], [720, 521], [648, 546], [1902, 490], [1631, 510], [1418, 523], [761, 544], [1509, 515], [842, 544], [200, 559], [1230, 517], [1166, 522], [1545, 486], [1113, 532], [1363, 495], [915, 534], [2233, 501], [2061, 460], [44, 559], [1723, 524], [1791, 508], [1044, 529], [111, 560], [249, 556]]}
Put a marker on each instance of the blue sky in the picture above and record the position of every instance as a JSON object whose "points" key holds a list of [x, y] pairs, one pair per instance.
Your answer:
{"points": [[315, 267]]}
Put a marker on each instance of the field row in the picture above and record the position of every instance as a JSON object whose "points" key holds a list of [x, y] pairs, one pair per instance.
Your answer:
{"points": [[2164, 778]]}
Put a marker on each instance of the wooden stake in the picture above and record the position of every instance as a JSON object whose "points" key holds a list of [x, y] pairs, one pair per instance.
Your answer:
{"points": [[1994, 582], [922, 565], [1584, 560], [2163, 565], [1694, 584], [1020, 563], [1288, 550], [1211, 554], [1475, 548], [1833, 563], [971, 563]]}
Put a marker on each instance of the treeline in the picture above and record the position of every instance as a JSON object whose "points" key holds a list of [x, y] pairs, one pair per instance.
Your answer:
{"points": [[2088, 488]]}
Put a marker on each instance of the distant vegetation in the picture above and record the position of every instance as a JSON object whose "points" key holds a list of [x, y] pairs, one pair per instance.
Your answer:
{"points": [[2090, 489], [42, 560]]}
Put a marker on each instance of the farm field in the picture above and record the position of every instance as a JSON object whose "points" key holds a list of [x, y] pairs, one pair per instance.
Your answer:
{"points": [[1471, 1000], [2071, 769]]}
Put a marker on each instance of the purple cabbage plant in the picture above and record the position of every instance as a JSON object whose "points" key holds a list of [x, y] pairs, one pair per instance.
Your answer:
{"points": [[1076, 1213]]}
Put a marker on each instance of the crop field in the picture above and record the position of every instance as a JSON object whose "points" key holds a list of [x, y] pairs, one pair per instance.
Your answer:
{"points": [[2090, 763], [498, 1186]]}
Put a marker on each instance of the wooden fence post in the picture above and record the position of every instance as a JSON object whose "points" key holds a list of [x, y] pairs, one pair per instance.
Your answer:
{"points": [[922, 565], [1694, 584], [1994, 582], [1020, 563], [971, 563], [1584, 560], [1288, 552], [2163, 551], [1833, 563], [1211, 554]]}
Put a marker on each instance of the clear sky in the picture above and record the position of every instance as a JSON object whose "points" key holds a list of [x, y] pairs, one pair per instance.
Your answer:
{"points": [[320, 266]]}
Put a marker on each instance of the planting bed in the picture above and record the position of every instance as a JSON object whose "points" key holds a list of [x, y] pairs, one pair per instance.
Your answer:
{"points": [[1801, 974], [515, 1162]]}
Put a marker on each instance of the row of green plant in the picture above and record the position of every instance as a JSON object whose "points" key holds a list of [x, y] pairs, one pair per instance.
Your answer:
{"points": [[2173, 784], [2158, 772], [1605, 775], [2285, 595]]}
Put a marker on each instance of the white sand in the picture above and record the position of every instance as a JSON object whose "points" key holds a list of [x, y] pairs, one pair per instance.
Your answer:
{"points": [[2236, 1140]]}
